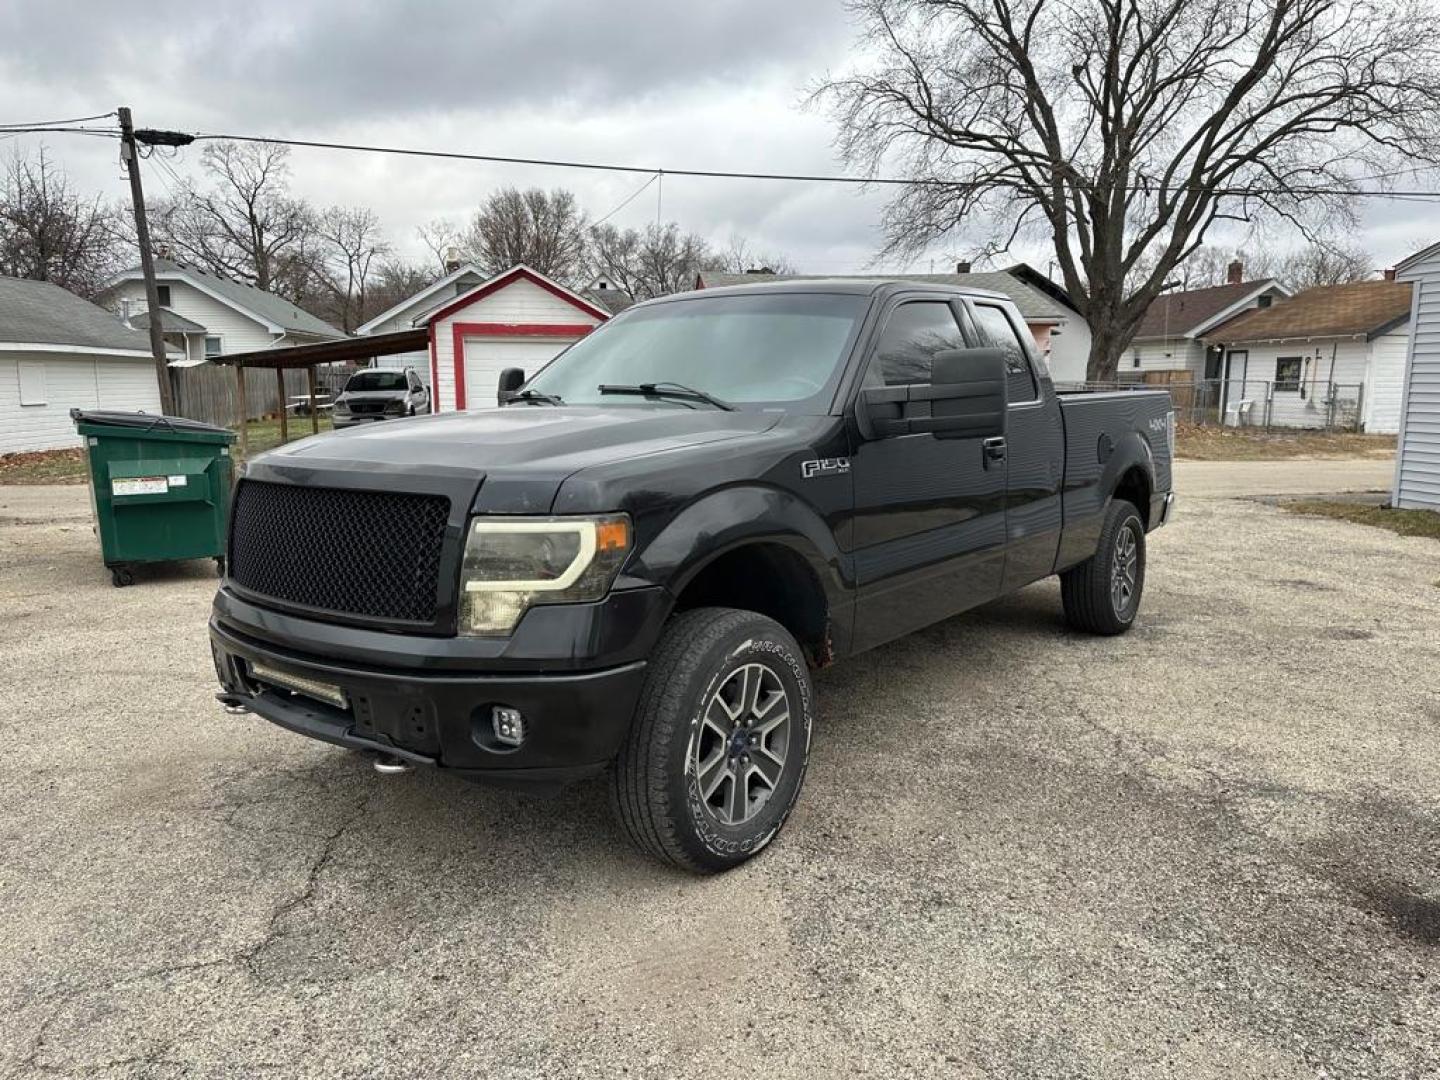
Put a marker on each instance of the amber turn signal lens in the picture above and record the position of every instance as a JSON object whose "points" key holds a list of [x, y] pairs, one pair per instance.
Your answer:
{"points": [[612, 536]]}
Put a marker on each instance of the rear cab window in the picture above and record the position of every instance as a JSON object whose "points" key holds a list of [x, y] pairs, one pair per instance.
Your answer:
{"points": [[996, 330]]}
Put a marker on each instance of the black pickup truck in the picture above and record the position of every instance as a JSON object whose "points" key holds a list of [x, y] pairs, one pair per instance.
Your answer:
{"points": [[637, 562]]}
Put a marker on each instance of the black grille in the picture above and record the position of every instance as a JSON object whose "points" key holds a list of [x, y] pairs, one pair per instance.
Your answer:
{"points": [[372, 553]]}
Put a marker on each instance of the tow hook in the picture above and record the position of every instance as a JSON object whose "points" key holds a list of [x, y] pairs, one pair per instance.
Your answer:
{"points": [[390, 765], [232, 703]]}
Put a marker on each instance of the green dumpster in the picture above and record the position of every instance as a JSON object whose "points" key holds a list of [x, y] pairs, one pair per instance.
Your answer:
{"points": [[159, 486]]}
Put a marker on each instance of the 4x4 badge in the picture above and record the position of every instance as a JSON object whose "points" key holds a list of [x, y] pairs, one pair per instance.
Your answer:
{"points": [[830, 466]]}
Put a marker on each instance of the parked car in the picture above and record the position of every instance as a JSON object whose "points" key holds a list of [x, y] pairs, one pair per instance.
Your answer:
{"points": [[636, 564], [380, 394]]}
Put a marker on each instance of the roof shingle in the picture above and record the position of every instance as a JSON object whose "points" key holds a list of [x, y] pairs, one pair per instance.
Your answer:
{"points": [[1178, 314], [1360, 308], [274, 309], [39, 313]]}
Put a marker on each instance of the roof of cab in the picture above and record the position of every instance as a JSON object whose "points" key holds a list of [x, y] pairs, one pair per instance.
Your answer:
{"points": [[842, 286]]}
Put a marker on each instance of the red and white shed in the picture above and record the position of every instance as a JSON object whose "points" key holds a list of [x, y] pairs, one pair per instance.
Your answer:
{"points": [[520, 318]]}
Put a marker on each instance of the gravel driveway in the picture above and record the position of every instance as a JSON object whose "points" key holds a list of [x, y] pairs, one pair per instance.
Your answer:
{"points": [[1208, 849]]}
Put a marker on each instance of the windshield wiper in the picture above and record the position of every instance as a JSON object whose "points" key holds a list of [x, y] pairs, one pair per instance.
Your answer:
{"points": [[535, 397], [666, 389]]}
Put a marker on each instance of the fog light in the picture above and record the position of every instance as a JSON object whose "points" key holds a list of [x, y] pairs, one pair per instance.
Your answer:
{"points": [[509, 725]]}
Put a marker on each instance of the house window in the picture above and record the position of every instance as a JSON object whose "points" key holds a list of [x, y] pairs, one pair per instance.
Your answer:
{"points": [[1265, 301], [212, 347], [1287, 373], [162, 295], [1135, 359], [32, 382]]}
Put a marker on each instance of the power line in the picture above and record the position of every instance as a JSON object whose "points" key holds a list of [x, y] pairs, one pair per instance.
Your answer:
{"points": [[735, 174], [628, 200], [52, 123]]}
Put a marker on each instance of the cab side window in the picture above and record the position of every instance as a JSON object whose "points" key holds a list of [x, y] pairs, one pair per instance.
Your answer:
{"points": [[913, 334], [997, 331]]}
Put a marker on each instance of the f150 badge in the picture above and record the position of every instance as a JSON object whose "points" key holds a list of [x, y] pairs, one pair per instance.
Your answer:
{"points": [[830, 466]]}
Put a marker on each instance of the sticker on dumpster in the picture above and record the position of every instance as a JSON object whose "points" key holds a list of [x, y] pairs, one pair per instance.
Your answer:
{"points": [[140, 485], [177, 481]]}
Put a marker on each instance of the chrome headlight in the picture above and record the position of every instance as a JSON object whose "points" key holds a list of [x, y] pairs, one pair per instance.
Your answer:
{"points": [[512, 564], [395, 408], [341, 405]]}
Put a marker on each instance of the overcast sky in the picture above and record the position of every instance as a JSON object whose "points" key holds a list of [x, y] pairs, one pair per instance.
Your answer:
{"points": [[650, 82]]}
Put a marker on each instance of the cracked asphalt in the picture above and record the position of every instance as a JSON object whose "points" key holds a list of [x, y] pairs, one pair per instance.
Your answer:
{"points": [[1208, 849]]}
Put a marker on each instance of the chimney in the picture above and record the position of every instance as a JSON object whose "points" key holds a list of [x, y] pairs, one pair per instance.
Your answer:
{"points": [[962, 268], [1235, 272], [1390, 274], [452, 260]]}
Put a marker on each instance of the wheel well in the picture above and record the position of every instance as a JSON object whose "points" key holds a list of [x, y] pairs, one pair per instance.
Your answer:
{"points": [[1134, 488], [772, 580]]}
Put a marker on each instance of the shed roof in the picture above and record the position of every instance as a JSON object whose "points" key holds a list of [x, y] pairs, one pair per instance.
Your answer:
{"points": [[1034, 305], [269, 308], [1359, 309], [41, 313], [1181, 314]]}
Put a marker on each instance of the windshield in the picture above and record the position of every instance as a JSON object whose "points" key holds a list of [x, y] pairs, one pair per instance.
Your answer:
{"points": [[376, 380], [785, 348]]}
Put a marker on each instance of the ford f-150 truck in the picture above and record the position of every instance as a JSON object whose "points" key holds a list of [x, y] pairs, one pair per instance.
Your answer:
{"points": [[637, 562]]}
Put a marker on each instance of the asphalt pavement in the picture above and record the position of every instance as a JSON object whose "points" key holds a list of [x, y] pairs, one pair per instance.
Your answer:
{"points": [[1206, 849]]}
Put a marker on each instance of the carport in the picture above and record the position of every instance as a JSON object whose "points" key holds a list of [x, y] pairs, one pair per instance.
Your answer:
{"points": [[309, 357]]}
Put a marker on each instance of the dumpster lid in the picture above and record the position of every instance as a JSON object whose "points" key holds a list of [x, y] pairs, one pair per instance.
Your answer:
{"points": [[144, 421]]}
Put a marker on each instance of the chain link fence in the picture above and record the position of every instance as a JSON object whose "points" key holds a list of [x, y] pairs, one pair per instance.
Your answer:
{"points": [[1252, 403]]}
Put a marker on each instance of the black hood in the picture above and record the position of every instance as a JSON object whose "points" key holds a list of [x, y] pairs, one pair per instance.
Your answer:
{"points": [[522, 453]]}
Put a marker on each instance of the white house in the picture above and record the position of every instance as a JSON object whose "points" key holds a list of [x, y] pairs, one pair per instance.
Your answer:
{"points": [[59, 352], [1329, 355], [1417, 459], [207, 315], [412, 311], [516, 319], [1173, 334]]}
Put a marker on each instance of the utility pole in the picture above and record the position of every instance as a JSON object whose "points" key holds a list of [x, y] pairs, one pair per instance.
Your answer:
{"points": [[131, 157]]}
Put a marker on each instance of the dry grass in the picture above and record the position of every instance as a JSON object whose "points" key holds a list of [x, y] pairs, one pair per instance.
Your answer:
{"points": [[43, 467], [1196, 443], [68, 466], [1404, 522]]}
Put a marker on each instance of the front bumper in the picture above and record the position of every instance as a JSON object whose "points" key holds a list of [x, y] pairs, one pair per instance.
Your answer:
{"points": [[356, 419], [437, 709]]}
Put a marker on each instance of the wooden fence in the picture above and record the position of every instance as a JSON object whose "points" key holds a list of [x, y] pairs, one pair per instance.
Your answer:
{"points": [[207, 392]]}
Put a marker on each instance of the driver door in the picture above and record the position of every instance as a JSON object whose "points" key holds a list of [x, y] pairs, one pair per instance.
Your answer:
{"points": [[929, 520]]}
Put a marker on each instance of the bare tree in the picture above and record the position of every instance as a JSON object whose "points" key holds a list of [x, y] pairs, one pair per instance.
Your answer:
{"points": [[545, 230], [394, 281], [443, 240], [738, 256], [1319, 264], [351, 243], [649, 262], [246, 225], [50, 233], [1127, 128]]}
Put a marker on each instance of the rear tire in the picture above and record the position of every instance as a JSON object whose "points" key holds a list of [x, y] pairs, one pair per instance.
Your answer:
{"points": [[1102, 594], [716, 753]]}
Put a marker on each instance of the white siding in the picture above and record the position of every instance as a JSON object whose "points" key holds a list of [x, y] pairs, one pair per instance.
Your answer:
{"points": [[71, 382], [1417, 465], [521, 301], [1176, 354], [1342, 361], [1385, 380], [1070, 350], [238, 333]]}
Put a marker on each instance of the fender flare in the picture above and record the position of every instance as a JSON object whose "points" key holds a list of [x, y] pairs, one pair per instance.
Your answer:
{"points": [[724, 520]]}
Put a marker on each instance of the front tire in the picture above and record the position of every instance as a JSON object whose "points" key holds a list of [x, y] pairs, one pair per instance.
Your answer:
{"points": [[717, 751], [1102, 594]]}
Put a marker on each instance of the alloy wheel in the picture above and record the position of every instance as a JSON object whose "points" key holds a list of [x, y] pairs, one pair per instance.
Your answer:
{"points": [[1124, 569], [738, 756]]}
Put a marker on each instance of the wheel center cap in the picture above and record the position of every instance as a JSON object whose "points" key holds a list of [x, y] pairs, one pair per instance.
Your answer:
{"points": [[739, 741]]}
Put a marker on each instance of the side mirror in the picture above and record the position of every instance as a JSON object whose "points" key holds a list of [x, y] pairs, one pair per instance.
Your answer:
{"points": [[965, 399], [511, 379]]}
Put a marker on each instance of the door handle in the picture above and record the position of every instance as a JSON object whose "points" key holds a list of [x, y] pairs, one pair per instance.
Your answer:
{"points": [[994, 451]]}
